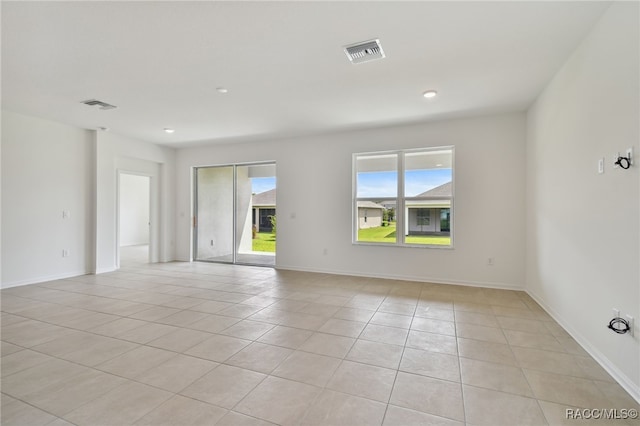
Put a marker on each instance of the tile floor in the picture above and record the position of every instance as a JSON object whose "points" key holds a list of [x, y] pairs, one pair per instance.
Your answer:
{"points": [[204, 344]]}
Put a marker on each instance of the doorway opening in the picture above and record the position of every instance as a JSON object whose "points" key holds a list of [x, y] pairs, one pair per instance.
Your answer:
{"points": [[235, 214], [134, 205]]}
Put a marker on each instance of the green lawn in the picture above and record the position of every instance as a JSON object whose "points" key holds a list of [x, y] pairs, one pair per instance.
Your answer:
{"points": [[387, 234], [264, 241], [380, 234]]}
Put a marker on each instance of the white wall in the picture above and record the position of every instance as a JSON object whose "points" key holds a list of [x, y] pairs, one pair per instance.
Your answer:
{"points": [[316, 171], [117, 153], [46, 169], [134, 209], [583, 233]]}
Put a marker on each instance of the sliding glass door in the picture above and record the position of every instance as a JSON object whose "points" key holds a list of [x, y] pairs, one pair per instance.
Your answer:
{"points": [[213, 231], [235, 214]]}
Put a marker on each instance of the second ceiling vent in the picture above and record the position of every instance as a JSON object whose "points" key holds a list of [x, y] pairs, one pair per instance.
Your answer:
{"points": [[364, 52], [99, 104]]}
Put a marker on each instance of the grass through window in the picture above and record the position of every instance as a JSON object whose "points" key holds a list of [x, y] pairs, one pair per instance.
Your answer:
{"points": [[264, 241], [387, 234]]}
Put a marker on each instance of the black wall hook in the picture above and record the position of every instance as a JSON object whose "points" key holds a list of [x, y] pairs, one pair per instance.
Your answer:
{"points": [[624, 162], [619, 325]]}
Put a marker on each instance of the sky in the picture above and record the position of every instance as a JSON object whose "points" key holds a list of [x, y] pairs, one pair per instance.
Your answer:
{"points": [[259, 185], [379, 184], [385, 184]]}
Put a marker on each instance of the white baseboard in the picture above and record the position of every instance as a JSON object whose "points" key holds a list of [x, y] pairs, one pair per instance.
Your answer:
{"points": [[105, 270], [44, 278], [422, 279], [624, 381]]}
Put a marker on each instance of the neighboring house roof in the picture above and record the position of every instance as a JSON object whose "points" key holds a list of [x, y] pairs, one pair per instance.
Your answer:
{"points": [[267, 198], [443, 190], [369, 205]]}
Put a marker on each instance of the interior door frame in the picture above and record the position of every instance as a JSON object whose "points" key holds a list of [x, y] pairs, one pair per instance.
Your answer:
{"points": [[152, 240]]}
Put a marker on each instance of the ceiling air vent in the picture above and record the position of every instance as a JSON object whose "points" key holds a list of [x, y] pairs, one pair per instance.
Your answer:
{"points": [[102, 105], [364, 52]]}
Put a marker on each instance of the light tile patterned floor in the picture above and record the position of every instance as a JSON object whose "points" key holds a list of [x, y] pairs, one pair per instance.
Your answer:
{"points": [[204, 344]]}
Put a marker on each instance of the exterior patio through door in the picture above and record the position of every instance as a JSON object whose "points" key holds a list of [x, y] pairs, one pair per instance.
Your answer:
{"points": [[225, 228]]}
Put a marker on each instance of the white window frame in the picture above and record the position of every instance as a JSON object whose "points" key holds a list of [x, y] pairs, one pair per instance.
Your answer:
{"points": [[401, 199]]}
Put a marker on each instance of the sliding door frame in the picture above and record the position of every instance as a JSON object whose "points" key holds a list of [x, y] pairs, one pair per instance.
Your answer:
{"points": [[195, 218]]}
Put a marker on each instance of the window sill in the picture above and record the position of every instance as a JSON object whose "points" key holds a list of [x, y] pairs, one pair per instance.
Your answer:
{"points": [[418, 246]]}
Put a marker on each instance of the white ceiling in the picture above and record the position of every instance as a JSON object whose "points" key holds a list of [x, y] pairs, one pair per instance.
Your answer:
{"points": [[282, 62]]}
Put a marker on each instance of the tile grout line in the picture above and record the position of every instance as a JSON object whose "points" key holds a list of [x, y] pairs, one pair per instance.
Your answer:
{"points": [[464, 408], [404, 347], [288, 284]]}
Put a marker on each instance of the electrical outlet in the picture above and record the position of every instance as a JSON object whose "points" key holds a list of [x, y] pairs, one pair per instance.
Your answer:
{"points": [[489, 261], [631, 324], [65, 253]]}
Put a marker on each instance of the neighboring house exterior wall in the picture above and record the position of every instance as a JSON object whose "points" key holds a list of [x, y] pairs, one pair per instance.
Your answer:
{"points": [[261, 218], [424, 220], [430, 215], [369, 217], [264, 205], [427, 220]]}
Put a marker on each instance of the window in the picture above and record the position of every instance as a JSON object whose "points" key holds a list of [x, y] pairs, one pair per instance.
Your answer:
{"points": [[410, 191]]}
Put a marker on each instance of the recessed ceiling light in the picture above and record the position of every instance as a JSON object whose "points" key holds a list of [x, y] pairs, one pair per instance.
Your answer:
{"points": [[430, 94], [168, 130], [222, 90], [438, 165]]}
